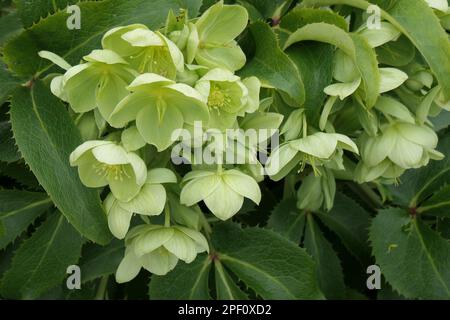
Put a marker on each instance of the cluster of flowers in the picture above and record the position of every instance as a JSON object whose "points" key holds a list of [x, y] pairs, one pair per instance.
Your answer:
{"points": [[129, 97]]}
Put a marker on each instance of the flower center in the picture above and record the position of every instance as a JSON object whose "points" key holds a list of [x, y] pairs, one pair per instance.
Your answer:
{"points": [[218, 98], [114, 171]]}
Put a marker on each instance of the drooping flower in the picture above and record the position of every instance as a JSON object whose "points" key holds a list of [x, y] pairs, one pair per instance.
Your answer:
{"points": [[150, 201], [223, 192], [317, 191], [227, 96], [102, 163], [145, 50], [315, 150], [158, 249], [405, 144], [100, 82], [211, 41], [159, 106]]}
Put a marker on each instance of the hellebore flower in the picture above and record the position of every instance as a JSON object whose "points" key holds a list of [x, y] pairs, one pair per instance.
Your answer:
{"points": [[102, 163], [315, 149], [211, 41], [101, 82], [159, 106], [405, 144], [227, 96], [149, 201], [223, 192], [145, 50], [158, 249], [317, 191]]}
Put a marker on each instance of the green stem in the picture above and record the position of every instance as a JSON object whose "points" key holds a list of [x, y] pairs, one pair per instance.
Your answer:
{"points": [[101, 291], [167, 215]]}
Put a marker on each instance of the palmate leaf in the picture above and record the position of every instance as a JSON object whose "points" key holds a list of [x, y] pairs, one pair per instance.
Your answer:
{"points": [[410, 17], [272, 66], [414, 259], [46, 136], [256, 256], [41, 261], [52, 34]]}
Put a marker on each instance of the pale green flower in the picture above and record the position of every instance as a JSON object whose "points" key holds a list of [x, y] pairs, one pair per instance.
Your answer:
{"points": [[211, 41], [223, 192], [158, 249], [227, 96], [150, 201], [101, 82], [159, 106], [315, 150], [385, 169], [145, 50], [405, 144], [317, 191], [102, 163]]}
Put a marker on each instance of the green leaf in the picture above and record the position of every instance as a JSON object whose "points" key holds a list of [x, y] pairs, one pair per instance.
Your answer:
{"points": [[46, 136], [193, 6], [31, 11], [414, 259], [315, 63], [14, 202], [351, 223], [355, 46], [258, 257], [185, 282], [438, 204], [409, 17], [19, 172], [18, 209], [287, 220], [96, 18], [41, 261], [272, 66], [300, 17], [98, 261], [226, 288], [266, 8], [10, 25], [8, 149], [417, 185], [396, 53], [329, 269], [7, 83]]}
